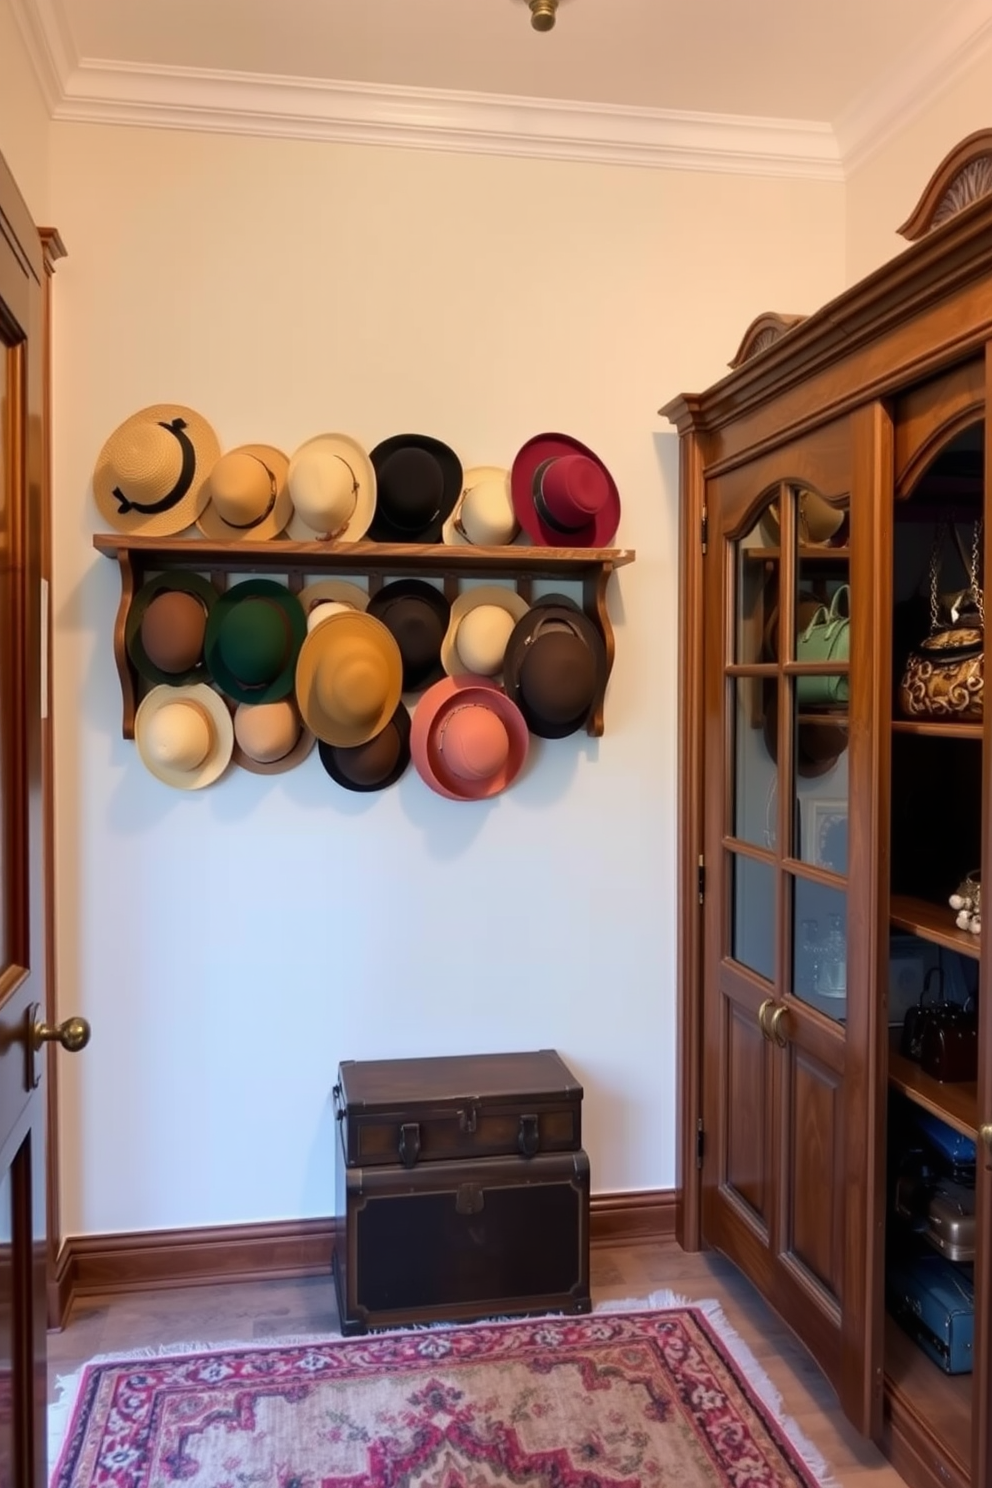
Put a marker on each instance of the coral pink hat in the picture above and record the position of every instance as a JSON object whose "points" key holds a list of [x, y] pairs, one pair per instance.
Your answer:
{"points": [[468, 740], [563, 494]]}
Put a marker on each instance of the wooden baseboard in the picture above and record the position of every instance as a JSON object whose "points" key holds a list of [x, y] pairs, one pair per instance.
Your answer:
{"points": [[95, 1265]]}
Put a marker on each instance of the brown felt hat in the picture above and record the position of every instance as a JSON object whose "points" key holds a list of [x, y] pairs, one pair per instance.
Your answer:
{"points": [[349, 677], [374, 765], [151, 474], [166, 626], [555, 667], [417, 614]]}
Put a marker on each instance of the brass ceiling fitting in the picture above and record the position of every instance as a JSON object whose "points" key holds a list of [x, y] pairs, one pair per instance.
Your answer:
{"points": [[542, 14]]}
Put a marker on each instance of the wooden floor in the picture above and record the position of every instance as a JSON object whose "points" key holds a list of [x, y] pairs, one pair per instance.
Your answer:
{"points": [[269, 1309]]}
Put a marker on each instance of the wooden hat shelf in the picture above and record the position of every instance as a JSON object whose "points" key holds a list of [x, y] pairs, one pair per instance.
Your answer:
{"points": [[140, 557]]}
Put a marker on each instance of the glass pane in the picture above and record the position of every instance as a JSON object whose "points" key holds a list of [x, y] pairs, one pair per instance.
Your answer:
{"points": [[819, 947], [755, 772], [821, 784], [753, 931], [757, 591]]}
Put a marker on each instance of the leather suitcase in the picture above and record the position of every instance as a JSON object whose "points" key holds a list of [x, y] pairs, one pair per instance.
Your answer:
{"points": [[935, 1302], [410, 1111], [458, 1241]]}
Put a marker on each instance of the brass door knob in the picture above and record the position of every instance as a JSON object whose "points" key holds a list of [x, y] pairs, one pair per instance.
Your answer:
{"points": [[985, 1132], [775, 1026], [73, 1034], [763, 1012]]}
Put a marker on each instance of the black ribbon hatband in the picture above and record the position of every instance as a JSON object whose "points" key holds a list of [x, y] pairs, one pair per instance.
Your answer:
{"points": [[179, 490]]}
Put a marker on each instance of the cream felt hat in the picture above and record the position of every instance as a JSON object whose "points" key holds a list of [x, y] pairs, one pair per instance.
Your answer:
{"points": [[349, 677], [151, 475], [248, 495], [270, 738], [328, 597], [484, 516], [478, 631], [332, 485], [184, 735]]}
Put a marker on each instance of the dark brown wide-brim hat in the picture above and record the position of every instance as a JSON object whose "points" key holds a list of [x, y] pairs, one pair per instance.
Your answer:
{"points": [[418, 482], [417, 615], [555, 667], [166, 627], [374, 765]]}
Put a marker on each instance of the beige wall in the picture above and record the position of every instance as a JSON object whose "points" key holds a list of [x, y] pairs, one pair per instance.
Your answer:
{"points": [[883, 191], [231, 946], [24, 123]]}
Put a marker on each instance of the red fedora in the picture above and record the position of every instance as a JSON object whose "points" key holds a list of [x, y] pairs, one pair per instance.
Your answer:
{"points": [[563, 494], [468, 740]]}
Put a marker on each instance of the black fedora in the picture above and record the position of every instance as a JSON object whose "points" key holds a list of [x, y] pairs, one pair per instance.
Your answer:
{"points": [[555, 667], [374, 765], [417, 614], [418, 482]]}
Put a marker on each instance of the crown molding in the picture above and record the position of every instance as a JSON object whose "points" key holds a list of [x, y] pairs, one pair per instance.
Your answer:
{"points": [[423, 118], [958, 39], [45, 32]]}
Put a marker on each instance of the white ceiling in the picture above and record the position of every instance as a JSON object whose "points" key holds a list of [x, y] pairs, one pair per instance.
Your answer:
{"points": [[843, 66]]}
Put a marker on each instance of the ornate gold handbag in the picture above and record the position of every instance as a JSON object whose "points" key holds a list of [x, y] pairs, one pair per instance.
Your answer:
{"points": [[944, 676]]}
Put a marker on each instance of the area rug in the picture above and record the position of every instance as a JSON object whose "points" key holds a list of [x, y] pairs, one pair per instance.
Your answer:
{"points": [[610, 1400]]}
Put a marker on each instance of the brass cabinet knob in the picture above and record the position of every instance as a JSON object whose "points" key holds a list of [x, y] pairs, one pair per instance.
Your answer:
{"points": [[985, 1132], [73, 1034], [763, 1012], [775, 1026]]}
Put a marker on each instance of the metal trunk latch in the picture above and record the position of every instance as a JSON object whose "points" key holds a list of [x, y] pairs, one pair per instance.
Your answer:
{"points": [[529, 1136], [409, 1143]]}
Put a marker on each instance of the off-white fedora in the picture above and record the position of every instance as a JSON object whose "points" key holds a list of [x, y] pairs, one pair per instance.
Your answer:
{"points": [[184, 735], [481, 622], [151, 475], [327, 597], [332, 485], [484, 516], [248, 495]]}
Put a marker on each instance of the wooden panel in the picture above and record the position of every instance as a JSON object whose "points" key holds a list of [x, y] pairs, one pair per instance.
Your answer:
{"points": [[928, 415], [928, 1414], [746, 1167], [816, 1163], [7, 1341]]}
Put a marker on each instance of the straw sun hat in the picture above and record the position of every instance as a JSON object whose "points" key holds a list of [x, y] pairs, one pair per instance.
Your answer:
{"points": [[151, 475], [468, 740], [349, 677], [484, 516], [184, 735], [481, 622], [332, 486], [248, 495]]}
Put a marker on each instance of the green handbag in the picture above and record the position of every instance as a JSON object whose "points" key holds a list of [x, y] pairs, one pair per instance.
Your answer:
{"points": [[826, 638]]}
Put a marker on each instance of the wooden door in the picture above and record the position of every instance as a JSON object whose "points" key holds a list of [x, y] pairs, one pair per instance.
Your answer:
{"points": [[23, 913], [790, 1083]]}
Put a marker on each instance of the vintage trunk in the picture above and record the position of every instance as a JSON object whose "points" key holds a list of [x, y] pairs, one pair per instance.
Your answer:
{"points": [[477, 1105], [470, 1195]]}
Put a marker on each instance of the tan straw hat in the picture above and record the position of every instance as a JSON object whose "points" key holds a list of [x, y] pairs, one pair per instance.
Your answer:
{"points": [[151, 475], [332, 486], [484, 516], [184, 735], [481, 622], [327, 597], [349, 677], [248, 495], [269, 738]]}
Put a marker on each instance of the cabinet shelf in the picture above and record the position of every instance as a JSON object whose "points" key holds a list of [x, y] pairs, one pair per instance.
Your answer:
{"points": [[937, 730], [956, 1103], [924, 1401], [139, 557], [933, 922], [806, 554]]}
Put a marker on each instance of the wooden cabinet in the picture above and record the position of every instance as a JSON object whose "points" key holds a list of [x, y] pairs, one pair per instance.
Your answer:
{"points": [[821, 829]]}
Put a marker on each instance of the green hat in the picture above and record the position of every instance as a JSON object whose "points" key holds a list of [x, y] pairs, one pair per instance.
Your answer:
{"points": [[254, 635], [166, 625]]}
